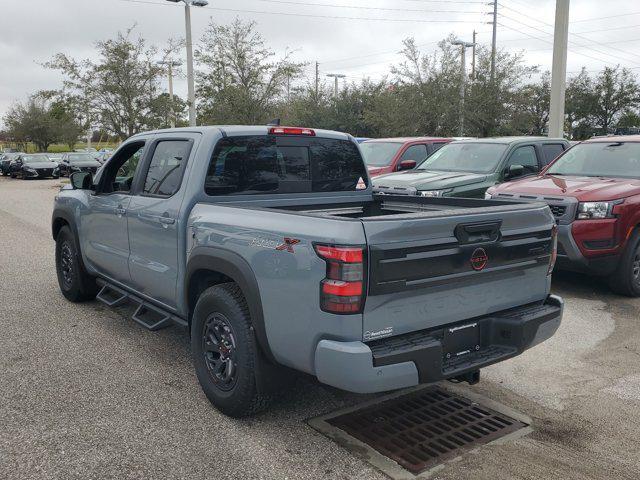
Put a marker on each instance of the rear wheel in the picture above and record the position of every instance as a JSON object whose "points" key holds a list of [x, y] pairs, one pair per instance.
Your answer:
{"points": [[75, 283], [226, 356], [626, 279]]}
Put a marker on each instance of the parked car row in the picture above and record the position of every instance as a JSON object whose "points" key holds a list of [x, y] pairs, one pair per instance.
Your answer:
{"points": [[591, 187], [41, 165]]}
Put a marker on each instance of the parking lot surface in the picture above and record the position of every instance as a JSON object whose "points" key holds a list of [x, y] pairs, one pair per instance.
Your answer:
{"points": [[87, 393]]}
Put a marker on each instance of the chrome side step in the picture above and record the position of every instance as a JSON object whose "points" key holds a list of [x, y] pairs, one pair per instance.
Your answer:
{"points": [[146, 314]]}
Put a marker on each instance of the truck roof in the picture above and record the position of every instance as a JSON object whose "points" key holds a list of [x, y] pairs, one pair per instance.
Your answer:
{"points": [[406, 139], [509, 140], [243, 130], [614, 138]]}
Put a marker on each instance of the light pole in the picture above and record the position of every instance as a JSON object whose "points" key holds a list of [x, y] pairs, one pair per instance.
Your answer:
{"points": [[559, 69], [335, 76], [170, 64], [190, 83], [463, 78]]}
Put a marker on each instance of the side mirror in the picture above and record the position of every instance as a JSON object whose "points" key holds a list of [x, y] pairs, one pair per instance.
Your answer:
{"points": [[514, 171], [407, 165], [81, 180]]}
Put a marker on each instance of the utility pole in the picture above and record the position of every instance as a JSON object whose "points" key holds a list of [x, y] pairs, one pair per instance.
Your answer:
{"points": [[493, 40], [317, 78], [335, 76], [190, 81], [463, 79], [473, 60], [559, 69], [170, 64]]}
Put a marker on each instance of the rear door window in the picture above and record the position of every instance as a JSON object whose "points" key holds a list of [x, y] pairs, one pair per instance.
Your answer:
{"points": [[436, 145], [550, 151], [251, 165], [165, 169], [416, 153]]}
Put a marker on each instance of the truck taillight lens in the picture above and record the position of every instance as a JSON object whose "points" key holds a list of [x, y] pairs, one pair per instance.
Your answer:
{"points": [[554, 249], [342, 290]]}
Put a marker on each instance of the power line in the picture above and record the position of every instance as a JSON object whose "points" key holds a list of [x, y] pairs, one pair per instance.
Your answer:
{"points": [[551, 43], [359, 7], [576, 44], [309, 15], [610, 29], [388, 52], [603, 18], [592, 19]]}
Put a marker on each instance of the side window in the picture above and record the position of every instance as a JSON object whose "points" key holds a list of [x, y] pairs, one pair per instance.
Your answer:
{"points": [[437, 145], [415, 152], [118, 173], [551, 151], [165, 169], [525, 156]]}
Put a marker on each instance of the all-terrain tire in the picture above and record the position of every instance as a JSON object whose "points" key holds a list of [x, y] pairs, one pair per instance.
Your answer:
{"points": [[626, 278], [75, 283], [244, 396]]}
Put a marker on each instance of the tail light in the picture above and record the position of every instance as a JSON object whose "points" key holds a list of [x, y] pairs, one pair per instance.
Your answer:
{"points": [[554, 249], [342, 290], [292, 131]]}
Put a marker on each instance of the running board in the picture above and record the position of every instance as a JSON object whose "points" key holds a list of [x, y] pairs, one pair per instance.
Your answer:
{"points": [[149, 316]]}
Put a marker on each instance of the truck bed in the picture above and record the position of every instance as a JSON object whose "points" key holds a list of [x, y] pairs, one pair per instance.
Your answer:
{"points": [[381, 206]]}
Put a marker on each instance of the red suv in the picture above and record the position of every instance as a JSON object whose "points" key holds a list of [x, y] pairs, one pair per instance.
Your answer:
{"points": [[593, 190], [388, 155]]}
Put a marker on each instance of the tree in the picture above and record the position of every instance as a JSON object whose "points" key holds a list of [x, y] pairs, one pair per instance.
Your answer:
{"points": [[578, 105], [69, 121], [614, 91], [532, 115], [239, 81], [629, 118], [160, 111], [32, 122], [117, 89]]}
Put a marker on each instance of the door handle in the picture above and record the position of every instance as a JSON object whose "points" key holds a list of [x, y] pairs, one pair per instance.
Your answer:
{"points": [[167, 220], [120, 211]]}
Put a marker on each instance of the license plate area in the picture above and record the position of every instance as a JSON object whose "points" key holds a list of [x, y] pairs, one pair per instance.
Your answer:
{"points": [[461, 340]]}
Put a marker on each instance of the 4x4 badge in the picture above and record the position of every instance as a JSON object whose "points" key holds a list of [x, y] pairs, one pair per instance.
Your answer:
{"points": [[479, 259], [288, 244]]}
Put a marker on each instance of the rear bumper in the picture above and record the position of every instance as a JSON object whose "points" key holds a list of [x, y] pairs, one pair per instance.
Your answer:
{"points": [[571, 258], [408, 360]]}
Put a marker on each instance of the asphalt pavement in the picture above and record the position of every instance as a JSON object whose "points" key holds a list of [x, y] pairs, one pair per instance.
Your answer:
{"points": [[86, 393]]}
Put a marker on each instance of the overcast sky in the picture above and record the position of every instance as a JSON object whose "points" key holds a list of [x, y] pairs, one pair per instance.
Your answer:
{"points": [[353, 37]]}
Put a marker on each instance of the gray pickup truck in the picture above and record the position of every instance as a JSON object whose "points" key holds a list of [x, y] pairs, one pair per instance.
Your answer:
{"points": [[269, 245]]}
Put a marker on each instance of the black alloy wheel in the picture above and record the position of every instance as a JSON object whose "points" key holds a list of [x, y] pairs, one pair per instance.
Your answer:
{"points": [[66, 265], [219, 350]]}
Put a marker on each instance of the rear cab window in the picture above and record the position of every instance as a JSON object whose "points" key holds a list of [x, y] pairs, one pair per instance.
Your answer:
{"points": [[261, 164]]}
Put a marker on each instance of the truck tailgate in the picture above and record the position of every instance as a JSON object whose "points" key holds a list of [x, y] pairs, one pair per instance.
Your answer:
{"points": [[426, 270]]}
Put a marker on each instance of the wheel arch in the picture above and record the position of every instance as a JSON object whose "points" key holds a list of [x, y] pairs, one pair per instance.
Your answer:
{"points": [[61, 218], [209, 266]]}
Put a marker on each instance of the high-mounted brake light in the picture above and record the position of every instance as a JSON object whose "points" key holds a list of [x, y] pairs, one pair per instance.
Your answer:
{"points": [[554, 249], [292, 131], [342, 290]]}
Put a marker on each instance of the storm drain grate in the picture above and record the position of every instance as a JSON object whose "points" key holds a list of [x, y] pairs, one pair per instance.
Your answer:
{"points": [[424, 428]]}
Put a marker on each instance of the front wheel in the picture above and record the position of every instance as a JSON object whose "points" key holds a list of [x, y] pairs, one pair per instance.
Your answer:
{"points": [[626, 279], [225, 353], [75, 284]]}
